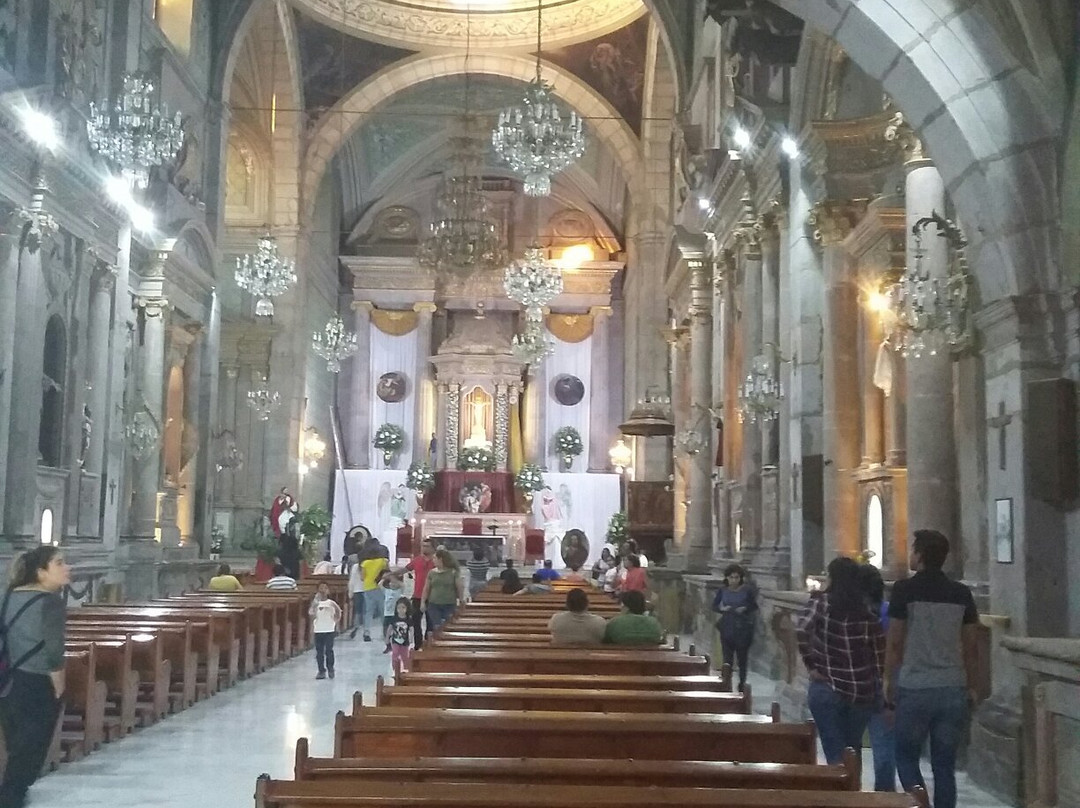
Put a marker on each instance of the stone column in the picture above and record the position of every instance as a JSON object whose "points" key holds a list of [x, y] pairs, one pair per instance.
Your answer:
{"points": [[770, 329], [601, 434], [841, 381], [26, 373], [750, 467], [358, 438], [150, 388], [101, 301], [536, 437], [698, 539], [440, 425], [115, 517], [680, 417], [931, 453], [873, 398], [10, 227], [422, 429], [227, 478]]}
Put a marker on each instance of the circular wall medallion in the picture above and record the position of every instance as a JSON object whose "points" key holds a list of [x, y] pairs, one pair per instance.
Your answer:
{"points": [[568, 389], [391, 387], [575, 549]]}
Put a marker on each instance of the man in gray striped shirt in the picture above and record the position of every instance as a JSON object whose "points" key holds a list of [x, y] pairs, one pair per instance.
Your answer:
{"points": [[930, 666], [280, 581]]}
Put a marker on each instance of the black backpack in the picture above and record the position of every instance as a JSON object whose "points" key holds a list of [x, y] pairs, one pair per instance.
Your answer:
{"points": [[7, 666]]}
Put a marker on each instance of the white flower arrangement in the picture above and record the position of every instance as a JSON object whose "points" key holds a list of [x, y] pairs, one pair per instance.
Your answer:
{"points": [[568, 442], [476, 458], [529, 479], [389, 438], [420, 477]]}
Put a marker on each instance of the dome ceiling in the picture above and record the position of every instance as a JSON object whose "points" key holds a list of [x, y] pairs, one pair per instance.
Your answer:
{"points": [[494, 24]]}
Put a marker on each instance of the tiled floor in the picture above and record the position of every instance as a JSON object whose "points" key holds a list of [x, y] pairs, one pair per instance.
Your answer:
{"points": [[209, 756]]}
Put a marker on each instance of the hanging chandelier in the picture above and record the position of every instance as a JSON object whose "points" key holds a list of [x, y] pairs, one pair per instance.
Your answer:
{"points": [[531, 347], [141, 434], [265, 275], [927, 314], [535, 138], [263, 400], [760, 394], [133, 133], [462, 238], [334, 343], [533, 282]]}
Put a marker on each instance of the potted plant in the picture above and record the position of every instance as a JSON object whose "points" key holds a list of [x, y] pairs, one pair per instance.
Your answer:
{"points": [[314, 528], [421, 479], [617, 528], [476, 458], [529, 480], [389, 438], [568, 445]]}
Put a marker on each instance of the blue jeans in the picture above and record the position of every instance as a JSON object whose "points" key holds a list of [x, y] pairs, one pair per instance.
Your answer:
{"points": [[840, 722], [373, 607], [439, 613], [937, 713], [883, 743], [357, 611]]}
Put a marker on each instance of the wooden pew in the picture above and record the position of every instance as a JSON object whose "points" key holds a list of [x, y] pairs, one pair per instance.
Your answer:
{"points": [[154, 671], [338, 794], [113, 662], [609, 662], [596, 700], [443, 679], [568, 771], [406, 732], [271, 616], [83, 727]]}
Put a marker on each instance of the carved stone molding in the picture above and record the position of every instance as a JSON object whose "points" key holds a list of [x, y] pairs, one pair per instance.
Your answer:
{"points": [[831, 222]]}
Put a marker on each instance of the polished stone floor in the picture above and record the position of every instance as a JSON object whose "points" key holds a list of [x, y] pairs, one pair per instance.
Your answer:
{"points": [[209, 756]]}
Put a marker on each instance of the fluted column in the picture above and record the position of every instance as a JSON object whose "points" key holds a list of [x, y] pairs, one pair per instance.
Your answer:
{"points": [[422, 427], [600, 426], [150, 387], [931, 454], [227, 477], [102, 286], [10, 226], [841, 383], [358, 439], [698, 541], [678, 375]]}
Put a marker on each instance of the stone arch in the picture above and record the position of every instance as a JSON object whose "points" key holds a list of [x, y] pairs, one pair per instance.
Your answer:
{"points": [[993, 139], [339, 123]]}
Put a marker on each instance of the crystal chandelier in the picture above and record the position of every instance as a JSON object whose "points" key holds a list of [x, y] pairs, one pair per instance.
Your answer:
{"points": [[535, 138], [265, 275], [760, 394], [263, 400], [133, 132], [533, 282], [334, 343], [462, 238], [141, 434], [531, 347], [930, 314]]}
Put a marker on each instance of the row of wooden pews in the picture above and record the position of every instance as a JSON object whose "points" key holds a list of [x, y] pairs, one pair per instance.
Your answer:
{"points": [[482, 709], [129, 665]]}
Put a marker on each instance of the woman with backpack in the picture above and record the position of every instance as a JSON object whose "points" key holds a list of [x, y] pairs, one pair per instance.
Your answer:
{"points": [[31, 666]]}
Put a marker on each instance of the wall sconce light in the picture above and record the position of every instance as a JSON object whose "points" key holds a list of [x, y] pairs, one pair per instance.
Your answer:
{"points": [[314, 449], [621, 456]]}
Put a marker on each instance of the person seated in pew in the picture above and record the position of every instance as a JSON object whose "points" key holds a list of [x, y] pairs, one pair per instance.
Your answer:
{"points": [[538, 586], [324, 567], [576, 626], [511, 583], [633, 626], [224, 581], [634, 579], [509, 571], [548, 573], [280, 582], [32, 620]]}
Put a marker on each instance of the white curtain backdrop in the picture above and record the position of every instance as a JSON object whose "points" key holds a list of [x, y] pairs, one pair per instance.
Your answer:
{"points": [[391, 354], [377, 498], [574, 358], [584, 501]]}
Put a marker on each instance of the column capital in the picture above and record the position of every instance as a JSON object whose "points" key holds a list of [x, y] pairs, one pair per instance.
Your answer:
{"points": [[600, 311], [365, 306], [832, 221], [676, 336], [104, 276], [899, 131], [425, 307]]}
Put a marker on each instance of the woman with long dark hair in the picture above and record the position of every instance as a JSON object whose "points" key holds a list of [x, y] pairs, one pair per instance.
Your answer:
{"points": [[32, 681], [736, 603], [843, 647]]}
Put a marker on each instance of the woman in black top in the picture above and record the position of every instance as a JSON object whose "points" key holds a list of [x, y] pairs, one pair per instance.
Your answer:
{"points": [[31, 687]]}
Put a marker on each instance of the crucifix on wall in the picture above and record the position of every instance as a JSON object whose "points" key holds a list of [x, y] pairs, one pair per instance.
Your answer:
{"points": [[1000, 422]]}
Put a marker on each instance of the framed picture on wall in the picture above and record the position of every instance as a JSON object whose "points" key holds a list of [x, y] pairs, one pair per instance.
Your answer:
{"points": [[1003, 531]]}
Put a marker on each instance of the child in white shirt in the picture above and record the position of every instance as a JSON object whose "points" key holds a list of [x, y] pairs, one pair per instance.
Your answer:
{"points": [[325, 618]]}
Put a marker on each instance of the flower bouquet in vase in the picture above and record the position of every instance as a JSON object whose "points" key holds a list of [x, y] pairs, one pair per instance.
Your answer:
{"points": [[529, 480], [476, 458], [389, 438], [421, 479], [568, 446]]}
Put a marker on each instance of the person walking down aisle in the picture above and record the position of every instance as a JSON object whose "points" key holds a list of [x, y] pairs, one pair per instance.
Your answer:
{"points": [[393, 588], [356, 591], [325, 619], [443, 590], [930, 666], [478, 567], [880, 728], [371, 572], [420, 567], [399, 634], [843, 647], [736, 603], [32, 683]]}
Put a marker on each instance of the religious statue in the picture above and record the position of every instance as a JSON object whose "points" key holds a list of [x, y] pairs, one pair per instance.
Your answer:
{"points": [[475, 498], [399, 506], [478, 423], [433, 451], [283, 509], [87, 429]]}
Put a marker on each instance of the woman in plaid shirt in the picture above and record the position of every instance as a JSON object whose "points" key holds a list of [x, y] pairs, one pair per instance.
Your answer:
{"points": [[843, 647]]}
